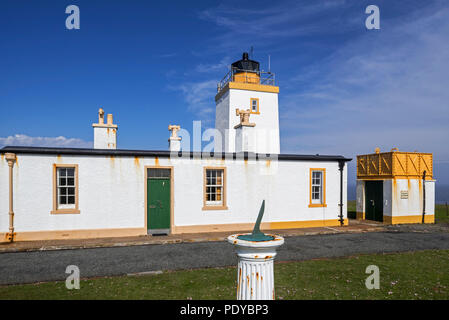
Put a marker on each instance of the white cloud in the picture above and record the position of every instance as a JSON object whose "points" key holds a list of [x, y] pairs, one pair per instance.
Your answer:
{"points": [[199, 98], [222, 66], [24, 140], [282, 19]]}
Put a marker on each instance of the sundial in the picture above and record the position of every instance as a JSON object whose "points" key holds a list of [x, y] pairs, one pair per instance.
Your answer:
{"points": [[257, 235]]}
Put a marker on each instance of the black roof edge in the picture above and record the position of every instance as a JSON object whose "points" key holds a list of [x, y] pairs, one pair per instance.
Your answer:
{"points": [[166, 154]]}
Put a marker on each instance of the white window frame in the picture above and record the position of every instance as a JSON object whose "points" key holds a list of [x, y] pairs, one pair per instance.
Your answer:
{"points": [[59, 187], [317, 182]]}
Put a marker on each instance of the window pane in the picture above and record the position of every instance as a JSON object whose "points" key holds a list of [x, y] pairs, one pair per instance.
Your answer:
{"points": [[71, 199], [214, 183], [62, 200], [71, 172], [71, 191], [62, 191], [71, 181], [62, 182], [62, 172]]}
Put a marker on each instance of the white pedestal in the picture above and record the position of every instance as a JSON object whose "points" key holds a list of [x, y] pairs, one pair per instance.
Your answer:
{"points": [[255, 277]]}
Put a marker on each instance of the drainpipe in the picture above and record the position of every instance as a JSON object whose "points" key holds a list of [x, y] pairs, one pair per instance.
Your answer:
{"points": [[423, 195], [341, 165], [11, 158]]}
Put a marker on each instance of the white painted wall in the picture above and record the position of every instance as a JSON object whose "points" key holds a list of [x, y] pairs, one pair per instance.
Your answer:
{"points": [[360, 196], [393, 205], [267, 122], [245, 139], [105, 137], [111, 192], [414, 204], [4, 195], [387, 197]]}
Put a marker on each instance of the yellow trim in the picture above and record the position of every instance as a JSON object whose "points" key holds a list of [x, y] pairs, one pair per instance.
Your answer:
{"points": [[251, 105], [55, 195], [77, 234], [232, 227], [246, 86], [307, 224], [360, 215], [209, 207], [395, 164], [247, 77], [172, 219], [428, 218], [317, 205]]}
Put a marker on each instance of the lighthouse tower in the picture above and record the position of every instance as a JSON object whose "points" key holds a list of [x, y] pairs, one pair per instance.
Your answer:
{"points": [[246, 87]]}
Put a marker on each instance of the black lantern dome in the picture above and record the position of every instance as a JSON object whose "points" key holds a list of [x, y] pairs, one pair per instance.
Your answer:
{"points": [[245, 64]]}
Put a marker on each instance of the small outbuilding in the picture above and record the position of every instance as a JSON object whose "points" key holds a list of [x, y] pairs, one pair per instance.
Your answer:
{"points": [[396, 187]]}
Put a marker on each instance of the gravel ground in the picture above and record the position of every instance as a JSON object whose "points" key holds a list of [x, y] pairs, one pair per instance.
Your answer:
{"points": [[31, 267]]}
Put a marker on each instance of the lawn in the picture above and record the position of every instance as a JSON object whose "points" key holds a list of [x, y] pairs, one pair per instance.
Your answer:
{"points": [[414, 275], [441, 212]]}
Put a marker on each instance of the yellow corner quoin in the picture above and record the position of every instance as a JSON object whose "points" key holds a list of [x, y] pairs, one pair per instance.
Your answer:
{"points": [[409, 219], [76, 234], [234, 227], [394, 165]]}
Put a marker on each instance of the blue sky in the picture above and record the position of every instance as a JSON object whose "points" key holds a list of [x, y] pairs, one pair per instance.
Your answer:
{"points": [[343, 89]]}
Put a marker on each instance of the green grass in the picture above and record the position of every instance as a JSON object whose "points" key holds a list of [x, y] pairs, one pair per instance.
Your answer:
{"points": [[417, 275], [441, 212], [352, 209]]}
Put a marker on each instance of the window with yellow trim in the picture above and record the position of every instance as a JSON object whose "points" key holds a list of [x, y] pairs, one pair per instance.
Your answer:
{"points": [[214, 188], [254, 105], [317, 187], [65, 188]]}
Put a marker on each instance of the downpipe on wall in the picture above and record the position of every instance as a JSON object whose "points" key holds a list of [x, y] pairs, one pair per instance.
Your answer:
{"points": [[11, 158], [341, 166], [423, 195]]}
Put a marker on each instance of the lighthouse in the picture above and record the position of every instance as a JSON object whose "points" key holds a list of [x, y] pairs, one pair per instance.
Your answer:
{"points": [[248, 88]]}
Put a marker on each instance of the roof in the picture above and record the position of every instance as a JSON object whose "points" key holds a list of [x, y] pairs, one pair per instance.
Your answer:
{"points": [[165, 153]]}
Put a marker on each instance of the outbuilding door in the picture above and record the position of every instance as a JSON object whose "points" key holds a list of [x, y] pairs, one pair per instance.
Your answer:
{"points": [[374, 200], [158, 201]]}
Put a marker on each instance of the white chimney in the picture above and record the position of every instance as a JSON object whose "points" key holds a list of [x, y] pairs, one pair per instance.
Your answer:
{"points": [[105, 134], [245, 133], [174, 142]]}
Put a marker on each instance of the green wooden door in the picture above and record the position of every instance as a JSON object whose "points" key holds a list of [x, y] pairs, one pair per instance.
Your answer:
{"points": [[158, 202], [374, 200]]}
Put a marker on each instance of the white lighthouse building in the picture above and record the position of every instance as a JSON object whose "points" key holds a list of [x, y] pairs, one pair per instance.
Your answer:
{"points": [[106, 191], [246, 87]]}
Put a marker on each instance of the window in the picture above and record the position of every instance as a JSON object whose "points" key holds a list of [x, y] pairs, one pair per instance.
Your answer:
{"points": [[317, 187], [254, 105], [214, 189], [65, 189]]}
